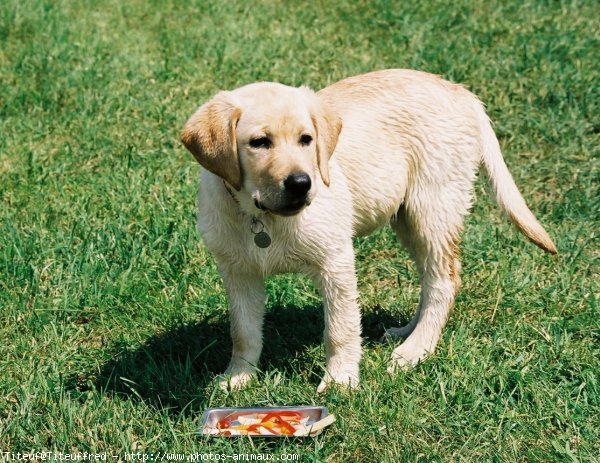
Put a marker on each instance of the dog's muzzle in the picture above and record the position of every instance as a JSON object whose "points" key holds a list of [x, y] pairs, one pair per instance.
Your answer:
{"points": [[293, 198]]}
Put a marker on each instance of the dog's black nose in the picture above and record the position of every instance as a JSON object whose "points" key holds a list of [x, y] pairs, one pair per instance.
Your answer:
{"points": [[297, 184]]}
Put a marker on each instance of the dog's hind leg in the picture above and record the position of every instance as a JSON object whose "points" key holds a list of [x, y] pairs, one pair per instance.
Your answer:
{"points": [[431, 233], [402, 230]]}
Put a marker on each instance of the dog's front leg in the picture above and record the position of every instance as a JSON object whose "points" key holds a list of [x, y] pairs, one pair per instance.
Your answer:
{"points": [[246, 311], [343, 350]]}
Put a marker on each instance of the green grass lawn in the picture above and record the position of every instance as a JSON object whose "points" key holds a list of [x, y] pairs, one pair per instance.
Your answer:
{"points": [[113, 319]]}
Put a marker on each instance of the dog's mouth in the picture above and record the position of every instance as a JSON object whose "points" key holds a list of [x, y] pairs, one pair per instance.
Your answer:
{"points": [[290, 209]]}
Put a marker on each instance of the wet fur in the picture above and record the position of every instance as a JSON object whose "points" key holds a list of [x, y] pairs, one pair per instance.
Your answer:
{"points": [[397, 146]]}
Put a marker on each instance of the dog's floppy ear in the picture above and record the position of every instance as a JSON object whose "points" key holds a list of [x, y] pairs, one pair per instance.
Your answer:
{"points": [[210, 136], [328, 126]]}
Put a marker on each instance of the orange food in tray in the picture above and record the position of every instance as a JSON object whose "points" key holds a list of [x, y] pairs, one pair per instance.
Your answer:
{"points": [[276, 423], [269, 422]]}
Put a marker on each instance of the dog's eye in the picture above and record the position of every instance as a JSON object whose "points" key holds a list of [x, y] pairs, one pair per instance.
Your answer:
{"points": [[305, 140], [260, 142]]}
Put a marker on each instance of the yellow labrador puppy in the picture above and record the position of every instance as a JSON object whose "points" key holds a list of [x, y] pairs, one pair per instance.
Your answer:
{"points": [[291, 176]]}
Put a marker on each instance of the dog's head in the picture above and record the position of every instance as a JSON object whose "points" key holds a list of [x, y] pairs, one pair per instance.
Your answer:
{"points": [[268, 142]]}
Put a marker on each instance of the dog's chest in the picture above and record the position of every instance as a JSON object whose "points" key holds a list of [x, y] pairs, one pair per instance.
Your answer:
{"points": [[241, 242]]}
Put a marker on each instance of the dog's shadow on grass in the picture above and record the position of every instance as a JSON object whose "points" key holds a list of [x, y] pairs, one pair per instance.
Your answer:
{"points": [[174, 368]]}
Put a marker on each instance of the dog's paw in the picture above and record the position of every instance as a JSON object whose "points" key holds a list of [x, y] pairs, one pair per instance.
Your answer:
{"points": [[396, 334], [406, 356], [231, 382], [349, 379]]}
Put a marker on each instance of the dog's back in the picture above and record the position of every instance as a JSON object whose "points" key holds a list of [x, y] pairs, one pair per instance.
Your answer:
{"points": [[405, 133]]}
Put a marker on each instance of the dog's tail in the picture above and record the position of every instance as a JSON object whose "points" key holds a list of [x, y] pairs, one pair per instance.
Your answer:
{"points": [[507, 194]]}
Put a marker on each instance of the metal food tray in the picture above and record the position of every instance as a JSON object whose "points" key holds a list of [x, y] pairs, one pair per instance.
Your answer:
{"points": [[212, 416]]}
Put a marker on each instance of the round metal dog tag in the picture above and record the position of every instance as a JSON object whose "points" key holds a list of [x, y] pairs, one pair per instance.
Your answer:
{"points": [[262, 240]]}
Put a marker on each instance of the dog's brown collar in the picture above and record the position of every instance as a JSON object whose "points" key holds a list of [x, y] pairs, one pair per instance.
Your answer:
{"points": [[261, 238], [230, 192]]}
